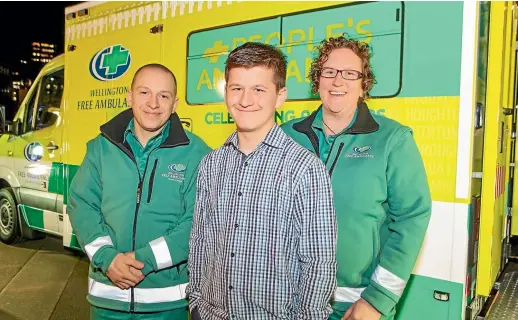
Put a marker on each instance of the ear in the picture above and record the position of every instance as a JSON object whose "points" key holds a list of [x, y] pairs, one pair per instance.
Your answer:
{"points": [[282, 95], [129, 98], [175, 104]]}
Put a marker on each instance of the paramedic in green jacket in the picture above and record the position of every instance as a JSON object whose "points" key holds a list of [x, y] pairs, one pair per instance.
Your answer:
{"points": [[131, 204], [381, 194]]}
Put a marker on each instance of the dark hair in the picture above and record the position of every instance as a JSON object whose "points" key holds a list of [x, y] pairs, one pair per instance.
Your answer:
{"points": [[154, 66], [361, 49], [254, 54]]}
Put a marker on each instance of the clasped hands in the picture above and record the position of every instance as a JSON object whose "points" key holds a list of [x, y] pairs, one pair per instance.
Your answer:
{"points": [[125, 271]]}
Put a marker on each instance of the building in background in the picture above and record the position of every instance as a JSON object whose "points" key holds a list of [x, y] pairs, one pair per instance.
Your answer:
{"points": [[17, 77], [42, 52], [6, 98]]}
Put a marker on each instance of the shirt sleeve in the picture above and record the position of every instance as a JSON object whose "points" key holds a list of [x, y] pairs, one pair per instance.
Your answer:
{"points": [[317, 243], [196, 242]]}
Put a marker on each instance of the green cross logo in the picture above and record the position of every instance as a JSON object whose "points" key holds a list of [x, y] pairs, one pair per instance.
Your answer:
{"points": [[214, 52], [114, 59], [110, 63]]}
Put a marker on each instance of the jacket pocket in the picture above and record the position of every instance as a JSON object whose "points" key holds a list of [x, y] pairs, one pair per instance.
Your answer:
{"points": [[358, 242], [151, 181]]}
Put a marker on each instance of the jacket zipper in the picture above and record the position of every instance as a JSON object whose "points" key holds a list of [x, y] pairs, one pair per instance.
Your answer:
{"points": [[336, 158], [151, 181], [330, 150], [139, 197]]}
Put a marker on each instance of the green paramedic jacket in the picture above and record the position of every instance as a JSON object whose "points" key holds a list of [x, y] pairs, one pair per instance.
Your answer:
{"points": [[114, 210], [382, 202]]}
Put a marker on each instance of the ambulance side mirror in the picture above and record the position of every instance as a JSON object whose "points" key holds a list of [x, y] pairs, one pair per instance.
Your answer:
{"points": [[12, 127]]}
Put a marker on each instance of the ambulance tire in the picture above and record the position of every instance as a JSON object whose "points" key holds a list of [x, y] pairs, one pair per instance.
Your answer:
{"points": [[9, 228]]}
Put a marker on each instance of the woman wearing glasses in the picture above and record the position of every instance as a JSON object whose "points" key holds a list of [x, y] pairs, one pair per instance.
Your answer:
{"points": [[381, 193]]}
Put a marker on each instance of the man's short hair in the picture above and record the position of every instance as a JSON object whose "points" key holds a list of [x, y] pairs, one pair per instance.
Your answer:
{"points": [[154, 66], [255, 54]]}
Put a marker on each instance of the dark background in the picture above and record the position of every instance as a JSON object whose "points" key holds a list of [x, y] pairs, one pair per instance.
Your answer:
{"points": [[21, 24]]}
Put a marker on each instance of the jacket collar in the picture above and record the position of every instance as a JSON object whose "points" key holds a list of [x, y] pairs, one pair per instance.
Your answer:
{"points": [[115, 128], [364, 123]]}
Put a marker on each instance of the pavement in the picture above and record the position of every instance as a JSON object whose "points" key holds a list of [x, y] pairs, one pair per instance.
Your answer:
{"points": [[40, 280]]}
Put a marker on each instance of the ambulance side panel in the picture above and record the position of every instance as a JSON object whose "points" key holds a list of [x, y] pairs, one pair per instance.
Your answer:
{"points": [[102, 54]]}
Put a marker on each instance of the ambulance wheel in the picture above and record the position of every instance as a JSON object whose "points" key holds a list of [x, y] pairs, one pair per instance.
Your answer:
{"points": [[9, 228]]}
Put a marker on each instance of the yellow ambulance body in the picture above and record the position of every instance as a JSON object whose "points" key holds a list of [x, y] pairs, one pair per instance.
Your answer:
{"points": [[446, 69]]}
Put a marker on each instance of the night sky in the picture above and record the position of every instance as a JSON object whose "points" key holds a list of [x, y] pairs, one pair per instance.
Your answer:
{"points": [[22, 22]]}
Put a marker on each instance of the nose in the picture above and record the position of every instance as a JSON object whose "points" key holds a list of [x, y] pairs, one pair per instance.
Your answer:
{"points": [[153, 102], [246, 99], [339, 81]]}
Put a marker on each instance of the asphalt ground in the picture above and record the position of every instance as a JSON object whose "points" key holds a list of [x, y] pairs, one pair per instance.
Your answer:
{"points": [[40, 280]]}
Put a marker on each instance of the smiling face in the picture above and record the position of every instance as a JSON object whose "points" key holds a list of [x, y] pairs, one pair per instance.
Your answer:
{"points": [[337, 93], [251, 97], [152, 99]]}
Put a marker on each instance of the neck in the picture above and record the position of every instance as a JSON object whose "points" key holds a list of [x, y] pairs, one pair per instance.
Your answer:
{"points": [[249, 140], [143, 136], [337, 122]]}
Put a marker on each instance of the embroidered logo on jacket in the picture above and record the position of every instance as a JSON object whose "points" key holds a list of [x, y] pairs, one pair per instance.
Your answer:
{"points": [[176, 172], [360, 152]]}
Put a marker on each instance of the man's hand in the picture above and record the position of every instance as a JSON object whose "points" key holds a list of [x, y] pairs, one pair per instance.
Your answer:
{"points": [[133, 270], [120, 274], [361, 310]]}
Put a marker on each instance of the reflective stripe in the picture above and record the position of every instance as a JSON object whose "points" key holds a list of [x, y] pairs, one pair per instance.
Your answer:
{"points": [[344, 294], [161, 252], [102, 290], [160, 294], [97, 244], [389, 281], [152, 295]]}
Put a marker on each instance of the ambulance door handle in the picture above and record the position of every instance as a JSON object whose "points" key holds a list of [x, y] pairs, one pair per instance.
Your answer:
{"points": [[10, 153], [51, 146]]}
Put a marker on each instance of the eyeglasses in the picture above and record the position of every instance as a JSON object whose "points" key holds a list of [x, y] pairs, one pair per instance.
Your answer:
{"points": [[346, 74]]}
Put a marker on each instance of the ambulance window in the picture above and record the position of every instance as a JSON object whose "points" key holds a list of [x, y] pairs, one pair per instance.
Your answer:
{"points": [[49, 100], [208, 51], [29, 112], [378, 23]]}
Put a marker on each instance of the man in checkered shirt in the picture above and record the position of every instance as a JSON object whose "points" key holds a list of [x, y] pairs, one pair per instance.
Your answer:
{"points": [[263, 239]]}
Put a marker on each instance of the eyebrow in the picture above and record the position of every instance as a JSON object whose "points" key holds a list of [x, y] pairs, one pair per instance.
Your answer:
{"points": [[162, 91], [254, 86]]}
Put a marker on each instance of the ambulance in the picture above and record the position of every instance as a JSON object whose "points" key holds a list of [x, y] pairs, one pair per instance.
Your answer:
{"points": [[446, 69]]}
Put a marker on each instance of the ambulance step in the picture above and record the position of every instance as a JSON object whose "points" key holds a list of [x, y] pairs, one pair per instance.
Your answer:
{"points": [[506, 305]]}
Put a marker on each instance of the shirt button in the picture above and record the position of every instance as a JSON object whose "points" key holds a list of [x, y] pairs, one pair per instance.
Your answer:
{"points": [[239, 193], [246, 165], [236, 225], [230, 287], [232, 254]]}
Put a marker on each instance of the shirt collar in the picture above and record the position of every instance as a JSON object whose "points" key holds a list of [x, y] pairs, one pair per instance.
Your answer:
{"points": [[318, 123], [162, 136], [274, 138]]}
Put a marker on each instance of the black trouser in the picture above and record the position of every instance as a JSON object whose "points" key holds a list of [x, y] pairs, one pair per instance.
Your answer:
{"points": [[195, 315]]}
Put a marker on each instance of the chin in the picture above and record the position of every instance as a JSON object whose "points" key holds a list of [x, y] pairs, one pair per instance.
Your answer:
{"points": [[338, 107], [153, 126], [246, 128]]}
